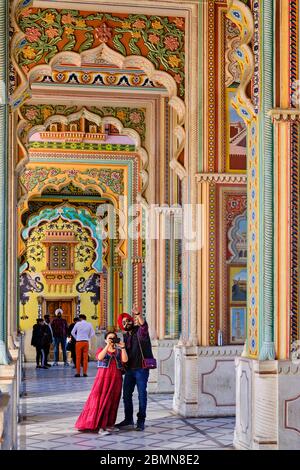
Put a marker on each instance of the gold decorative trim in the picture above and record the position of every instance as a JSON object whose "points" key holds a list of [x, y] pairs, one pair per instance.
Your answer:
{"points": [[279, 114], [220, 178]]}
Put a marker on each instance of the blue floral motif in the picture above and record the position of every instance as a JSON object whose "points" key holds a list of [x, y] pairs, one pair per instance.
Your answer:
{"points": [[237, 14]]}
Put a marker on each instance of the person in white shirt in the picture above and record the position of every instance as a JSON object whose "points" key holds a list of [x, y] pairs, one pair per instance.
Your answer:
{"points": [[82, 332]]}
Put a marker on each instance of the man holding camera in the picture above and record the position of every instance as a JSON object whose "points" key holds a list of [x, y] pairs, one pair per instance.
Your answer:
{"points": [[138, 347]]}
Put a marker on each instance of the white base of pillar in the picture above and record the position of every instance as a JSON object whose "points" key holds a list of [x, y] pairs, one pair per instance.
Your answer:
{"points": [[9, 399], [5, 421], [268, 405], [205, 380], [162, 380]]}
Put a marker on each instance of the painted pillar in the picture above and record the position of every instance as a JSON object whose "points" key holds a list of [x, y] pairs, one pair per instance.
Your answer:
{"points": [[12, 242], [286, 118], [173, 231], [203, 267], [282, 252], [268, 382], [161, 276], [3, 176], [260, 292], [267, 232]]}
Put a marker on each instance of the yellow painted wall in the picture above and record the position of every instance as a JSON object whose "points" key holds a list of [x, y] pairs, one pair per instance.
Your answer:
{"points": [[36, 267]]}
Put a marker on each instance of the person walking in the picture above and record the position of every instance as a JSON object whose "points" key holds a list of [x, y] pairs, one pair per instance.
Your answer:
{"points": [[40, 339], [101, 408], [71, 346], [60, 330], [82, 332], [47, 347], [138, 346]]}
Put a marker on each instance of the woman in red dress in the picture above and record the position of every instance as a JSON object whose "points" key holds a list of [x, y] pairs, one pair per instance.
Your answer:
{"points": [[100, 410]]}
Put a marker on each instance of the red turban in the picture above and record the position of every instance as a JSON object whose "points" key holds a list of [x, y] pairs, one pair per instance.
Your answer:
{"points": [[120, 318]]}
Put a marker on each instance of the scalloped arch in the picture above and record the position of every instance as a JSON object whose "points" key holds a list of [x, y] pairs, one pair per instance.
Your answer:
{"points": [[51, 214], [240, 14], [83, 112], [232, 236], [96, 56]]}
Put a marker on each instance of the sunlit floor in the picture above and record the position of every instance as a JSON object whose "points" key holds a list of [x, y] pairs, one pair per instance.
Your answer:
{"points": [[54, 398]]}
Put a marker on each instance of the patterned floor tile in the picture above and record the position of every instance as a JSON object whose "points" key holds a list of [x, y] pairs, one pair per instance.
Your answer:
{"points": [[53, 400]]}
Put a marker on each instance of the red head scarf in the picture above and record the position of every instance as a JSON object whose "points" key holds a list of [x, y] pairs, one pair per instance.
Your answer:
{"points": [[121, 316]]}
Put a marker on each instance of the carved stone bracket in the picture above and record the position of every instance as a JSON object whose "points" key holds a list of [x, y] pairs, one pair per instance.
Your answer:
{"points": [[285, 115], [221, 178]]}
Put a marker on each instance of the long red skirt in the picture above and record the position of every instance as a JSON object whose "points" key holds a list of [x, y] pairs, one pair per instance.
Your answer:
{"points": [[101, 407]]}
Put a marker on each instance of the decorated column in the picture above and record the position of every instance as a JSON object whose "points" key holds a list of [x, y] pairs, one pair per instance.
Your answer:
{"points": [[3, 178], [9, 386], [267, 380]]}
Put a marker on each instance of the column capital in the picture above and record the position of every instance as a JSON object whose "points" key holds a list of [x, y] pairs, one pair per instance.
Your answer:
{"points": [[221, 178], [285, 115]]}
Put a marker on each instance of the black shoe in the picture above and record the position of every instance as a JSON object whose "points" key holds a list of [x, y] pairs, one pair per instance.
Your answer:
{"points": [[125, 425], [38, 367], [77, 375], [140, 427], [48, 365], [85, 375], [45, 367]]}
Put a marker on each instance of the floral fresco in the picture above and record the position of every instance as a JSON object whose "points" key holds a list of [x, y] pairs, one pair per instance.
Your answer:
{"points": [[49, 31]]}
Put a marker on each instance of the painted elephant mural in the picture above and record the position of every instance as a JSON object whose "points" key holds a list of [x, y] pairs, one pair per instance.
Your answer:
{"points": [[92, 284], [29, 284]]}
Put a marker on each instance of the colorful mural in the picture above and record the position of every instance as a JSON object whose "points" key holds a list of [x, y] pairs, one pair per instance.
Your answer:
{"points": [[49, 31], [236, 150], [42, 279], [132, 118]]}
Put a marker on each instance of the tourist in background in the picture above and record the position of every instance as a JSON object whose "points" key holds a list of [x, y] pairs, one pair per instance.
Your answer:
{"points": [[82, 332], [41, 338], [47, 347], [60, 330], [71, 346]]}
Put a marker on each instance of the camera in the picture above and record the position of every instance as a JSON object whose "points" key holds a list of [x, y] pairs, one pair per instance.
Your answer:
{"points": [[115, 340]]}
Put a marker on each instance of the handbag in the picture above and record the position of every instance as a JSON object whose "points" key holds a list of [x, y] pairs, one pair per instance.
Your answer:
{"points": [[147, 363]]}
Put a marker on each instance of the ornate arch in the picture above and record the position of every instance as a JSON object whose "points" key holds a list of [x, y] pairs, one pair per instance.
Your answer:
{"points": [[83, 112], [232, 236], [241, 15], [34, 181], [96, 56], [67, 212]]}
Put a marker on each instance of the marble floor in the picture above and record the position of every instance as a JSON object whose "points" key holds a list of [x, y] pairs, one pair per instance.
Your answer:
{"points": [[53, 399]]}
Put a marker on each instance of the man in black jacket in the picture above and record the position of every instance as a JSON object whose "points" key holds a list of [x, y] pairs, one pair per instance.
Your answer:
{"points": [[41, 338], [138, 345], [47, 346], [71, 345]]}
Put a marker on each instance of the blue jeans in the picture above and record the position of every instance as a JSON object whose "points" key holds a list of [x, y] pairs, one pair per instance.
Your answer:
{"points": [[62, 341], [139, 378]]}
